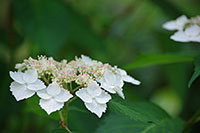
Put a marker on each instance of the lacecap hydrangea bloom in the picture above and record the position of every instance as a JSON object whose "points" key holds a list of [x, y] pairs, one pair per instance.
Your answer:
{"points": [[53, 82], [188, 30]]}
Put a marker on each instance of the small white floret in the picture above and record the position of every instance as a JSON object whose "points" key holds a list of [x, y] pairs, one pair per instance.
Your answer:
{"points": [[87, 60], [53, 98], [190, 34], [125, 77], [94, 98], [25, 84], [177, 24], [112, 83]]}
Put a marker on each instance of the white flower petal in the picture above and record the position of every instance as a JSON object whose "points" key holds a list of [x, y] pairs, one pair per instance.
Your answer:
{"points": [[30, 76], [94, 89], [96, 108], [180, 36], [119, 92], [109, 76], [181, 21], [177, 24], [64, 96], [50, 105], [43, 94], [83, 95], [192, 30], [171, 25], [196, 39], [18, 66], [53, 89], [17, 76], [126, 77], [37, 85], [112, 79], [20, 91], [130, 79], [122, 72], [103, 98], [118, 81], [87, 60], [107, 87]]}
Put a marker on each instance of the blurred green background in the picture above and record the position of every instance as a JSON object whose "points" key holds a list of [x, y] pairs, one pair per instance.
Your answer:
{"points": [[119, 32]]}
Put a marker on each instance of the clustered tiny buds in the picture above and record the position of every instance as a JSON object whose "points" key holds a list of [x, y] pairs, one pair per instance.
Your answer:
{"points": [[188, 30], [52, 82]]}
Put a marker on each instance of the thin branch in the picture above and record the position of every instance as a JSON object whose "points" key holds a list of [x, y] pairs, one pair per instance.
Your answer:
{"points": [[45, 80], [74, 98], [72, 91], [62, 124], [70, 85]]}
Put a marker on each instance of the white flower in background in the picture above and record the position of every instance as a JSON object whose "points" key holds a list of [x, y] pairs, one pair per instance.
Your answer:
{"points": [[112, 83], [125, 77], [53, 97], [94, 98], [87, 60], [177, 24], [191, 33], [25, 84], [188, 29]]}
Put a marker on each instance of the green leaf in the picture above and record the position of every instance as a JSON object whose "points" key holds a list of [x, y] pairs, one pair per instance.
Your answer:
{"points": [[116, 123], [145, 60], [196, 71], [82, 121], [139, 111]]}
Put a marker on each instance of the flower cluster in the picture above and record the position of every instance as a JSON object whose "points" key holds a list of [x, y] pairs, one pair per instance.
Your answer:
{"points": [[188, 30], [53, 82]]}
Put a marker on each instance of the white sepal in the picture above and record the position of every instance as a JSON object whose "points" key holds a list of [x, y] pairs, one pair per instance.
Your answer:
{"points": [[53, 97], [25, 84], [95, 101]]}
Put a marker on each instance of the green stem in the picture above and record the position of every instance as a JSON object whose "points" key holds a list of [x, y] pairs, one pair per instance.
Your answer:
{"points": [[74, 98], [63, 118], [72, 91], [70, 85], [194, 119], [65, 86], [65, 113], [45, 80]]}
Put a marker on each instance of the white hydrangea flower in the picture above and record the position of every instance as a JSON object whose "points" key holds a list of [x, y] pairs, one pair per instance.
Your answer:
{"points": [[125, 77], [177, 24], [191, 33], [112, 83], [25, 84], [53, 97], [94, 98], [87, 60], [20, 66]]}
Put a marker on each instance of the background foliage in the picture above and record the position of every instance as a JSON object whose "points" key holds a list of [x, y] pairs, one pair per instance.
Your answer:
{"points": [[126, 33]]}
